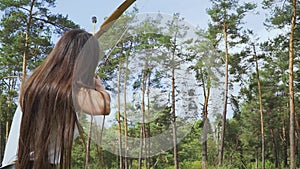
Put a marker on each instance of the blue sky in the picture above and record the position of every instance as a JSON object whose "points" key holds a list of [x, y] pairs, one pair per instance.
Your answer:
{"points": [[194, 11]]}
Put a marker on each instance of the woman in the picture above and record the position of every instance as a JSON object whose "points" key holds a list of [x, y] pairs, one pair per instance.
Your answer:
{"points": [[62, 85]]}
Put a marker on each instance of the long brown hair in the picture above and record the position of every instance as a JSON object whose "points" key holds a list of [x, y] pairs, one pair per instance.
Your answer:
{"points": [[48, 119]]}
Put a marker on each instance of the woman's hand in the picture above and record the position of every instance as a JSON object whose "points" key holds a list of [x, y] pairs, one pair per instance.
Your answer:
{"points": [[95, 102], [98, 84], [99, 87]]}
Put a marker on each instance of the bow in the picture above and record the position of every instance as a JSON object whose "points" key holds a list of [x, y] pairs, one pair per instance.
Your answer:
{"points": [[108, 22], [106, 25]]}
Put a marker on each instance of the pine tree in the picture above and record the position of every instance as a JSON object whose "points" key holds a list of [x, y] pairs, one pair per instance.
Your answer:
{"points": [[226, 25], [285, 13], [26, 36], [206, 72]]}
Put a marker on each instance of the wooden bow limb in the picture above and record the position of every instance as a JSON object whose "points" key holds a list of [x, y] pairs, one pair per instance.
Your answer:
{"points": [[108, 22]]}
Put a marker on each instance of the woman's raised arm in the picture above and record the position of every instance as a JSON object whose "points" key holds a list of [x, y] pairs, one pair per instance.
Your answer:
{"points": [[94, 101]]}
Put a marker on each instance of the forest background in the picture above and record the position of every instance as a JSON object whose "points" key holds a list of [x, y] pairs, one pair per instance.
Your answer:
{"points": [[253, 123]]}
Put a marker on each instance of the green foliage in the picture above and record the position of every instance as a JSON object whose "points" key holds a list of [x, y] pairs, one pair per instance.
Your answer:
{"points": [[231, 14], [203, 55], [268, 164], [18, 20], [78, 154], [281, 13], [40, 25]]}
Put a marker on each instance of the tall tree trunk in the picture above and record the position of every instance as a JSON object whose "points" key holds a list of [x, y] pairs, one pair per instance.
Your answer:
{"points": [[148, 143], [206, 93], [260, 110], [141, 148], [174, 127], [276, 148], [100, 155], [285, 146], [256, 159], [9, 104], [27, 35], [291, 89], [142, 132], [125, 115], [119, 118], [126, 162], [221, 148], [88, 145], [8, 111], [204, 135]]}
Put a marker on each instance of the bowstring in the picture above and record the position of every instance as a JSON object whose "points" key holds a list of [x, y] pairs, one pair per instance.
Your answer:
{"points": [[106, 60]]}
